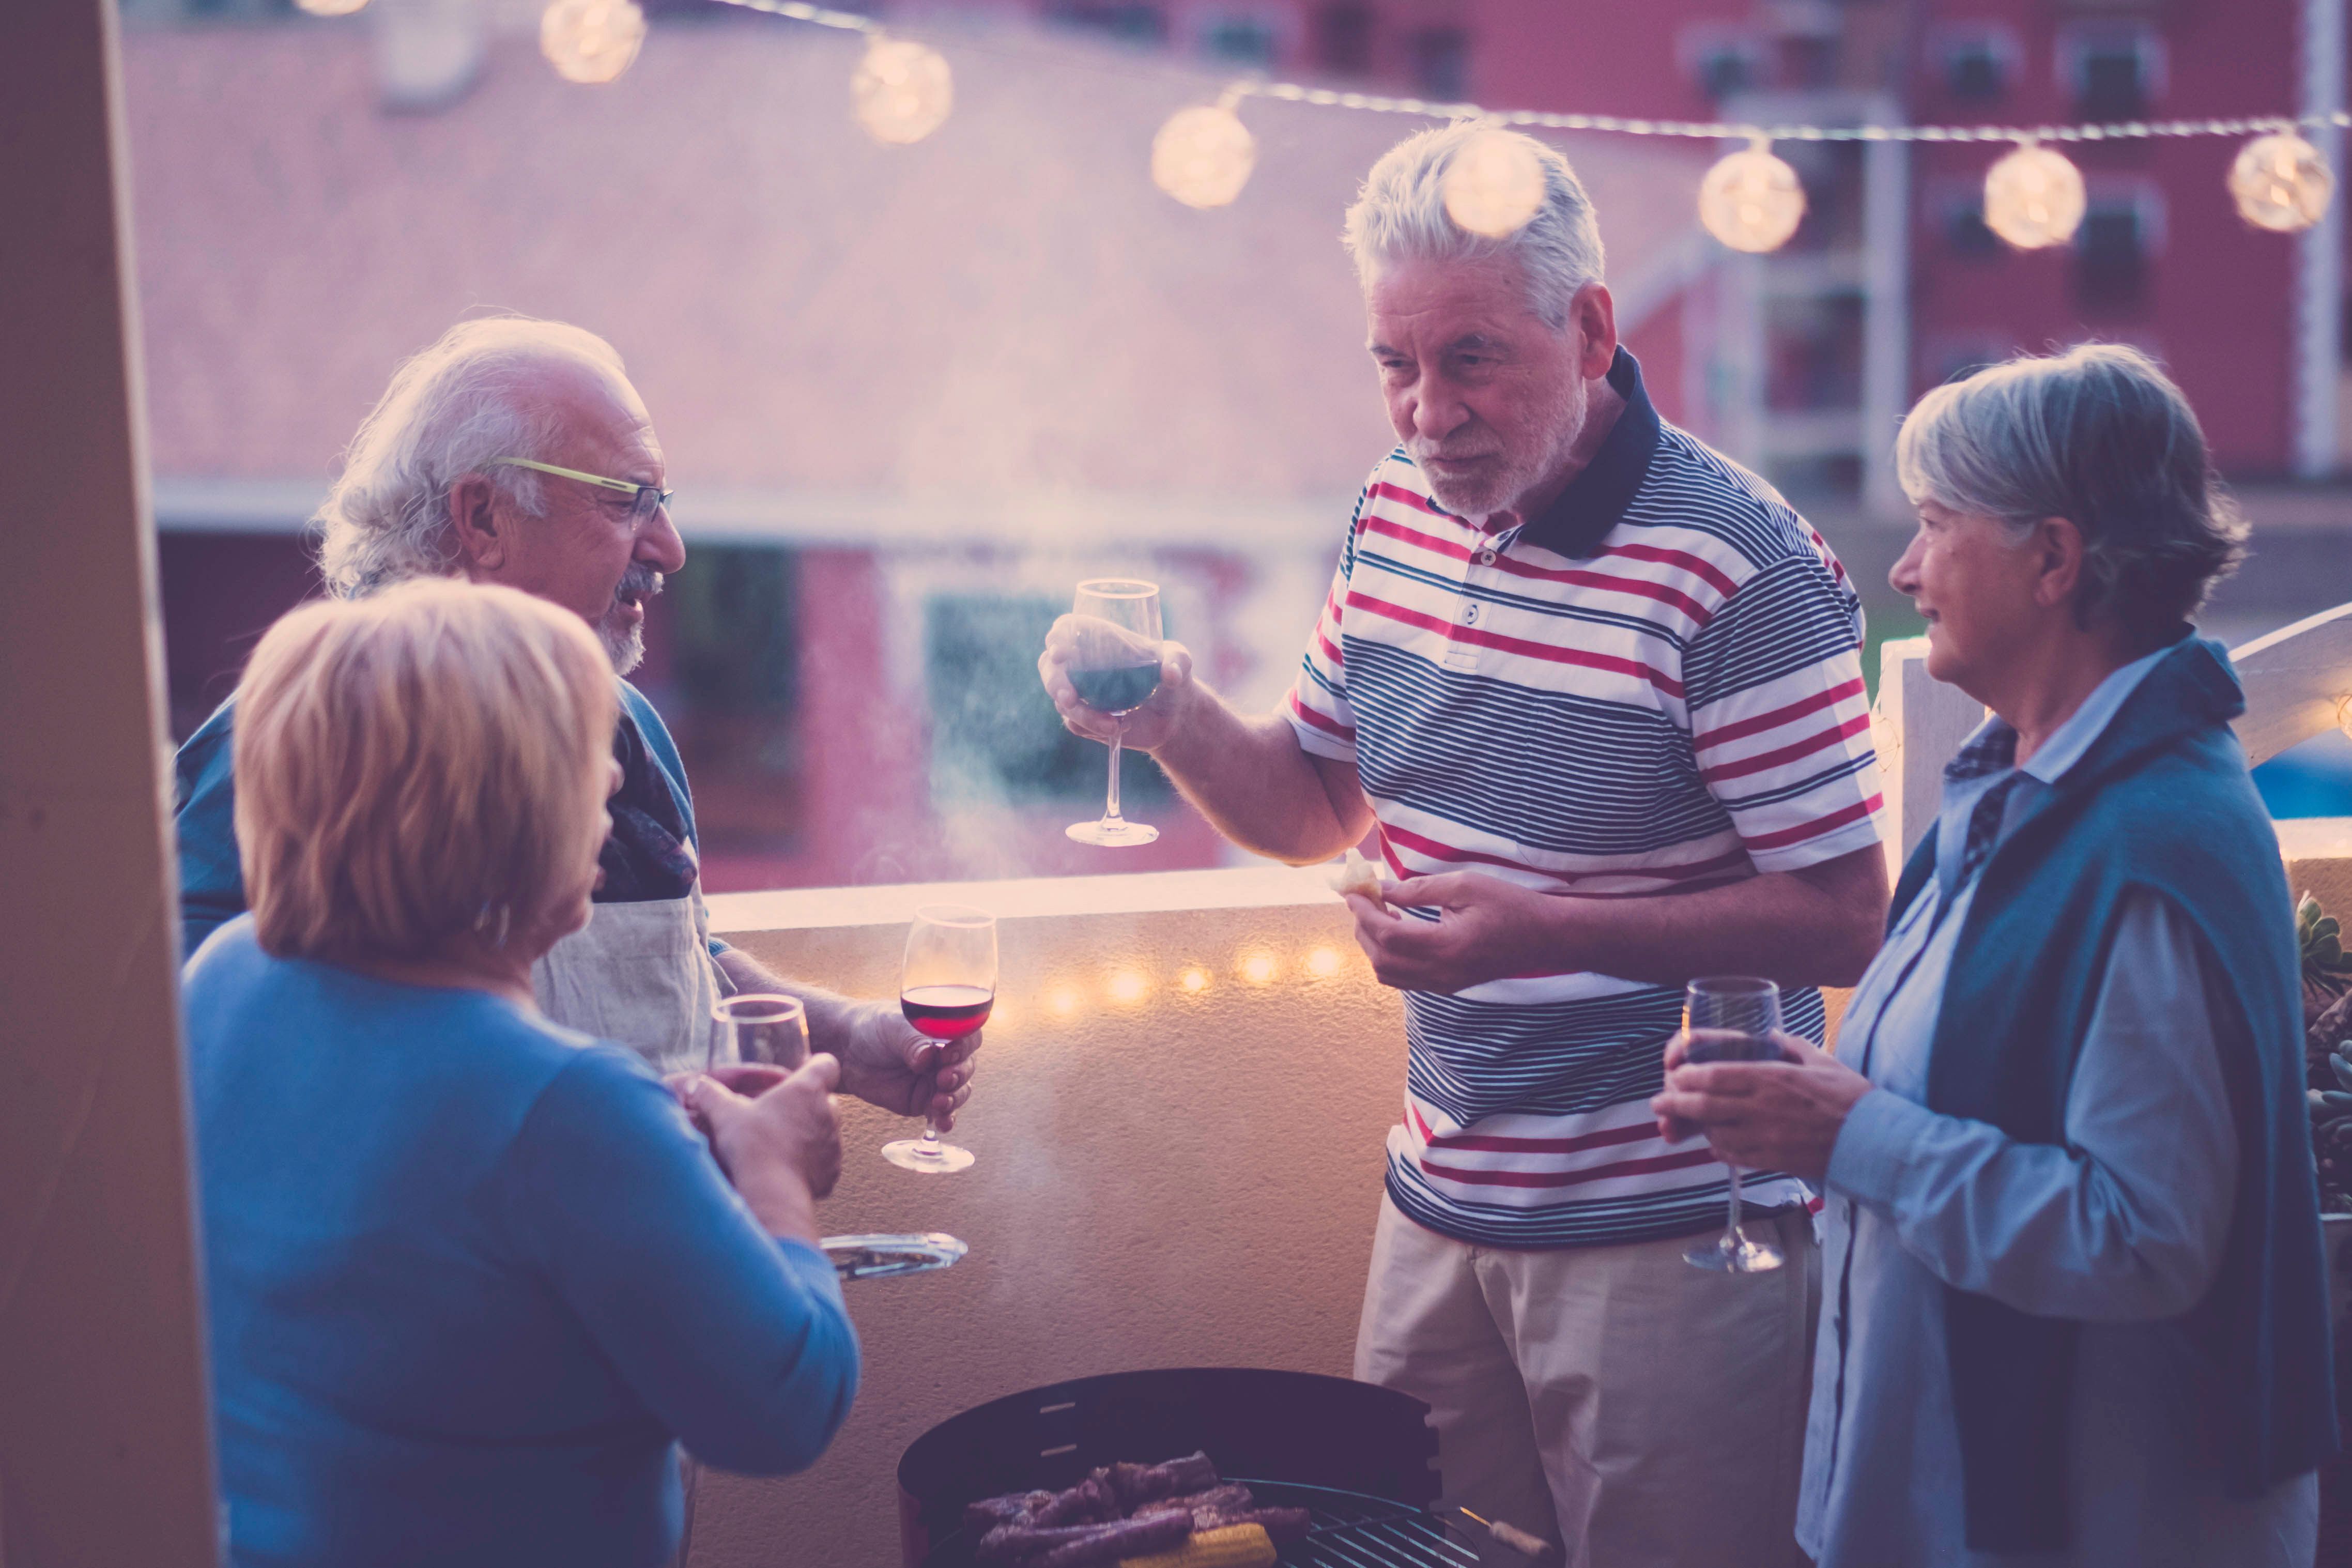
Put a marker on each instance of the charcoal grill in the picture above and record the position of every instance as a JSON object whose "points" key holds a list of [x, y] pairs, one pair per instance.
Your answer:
{"points": [[1359, 1459]]}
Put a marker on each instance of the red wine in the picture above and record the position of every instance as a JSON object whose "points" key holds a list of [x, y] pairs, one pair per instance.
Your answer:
{"points": [[1729, 1045], [1119, 689], [945, 1012]]}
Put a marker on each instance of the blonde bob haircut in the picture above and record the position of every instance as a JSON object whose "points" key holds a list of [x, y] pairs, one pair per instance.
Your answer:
{"points": [[424, 763]]}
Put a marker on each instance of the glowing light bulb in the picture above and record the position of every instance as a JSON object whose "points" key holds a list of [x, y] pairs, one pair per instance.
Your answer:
{"points": [[1203, 155], [1494, 184], [2033, 197], [903, 90], [2281, 182], [1127, 986], [1751, 201], [1063, 1000], [1258, 968], [591, 40], [1323, 963], [331, 8], [1193, 981]]}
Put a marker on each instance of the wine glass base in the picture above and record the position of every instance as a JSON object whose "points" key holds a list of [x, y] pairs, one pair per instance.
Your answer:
{"points": [[934, 1158], [1112, 835], [1734, 1254]]}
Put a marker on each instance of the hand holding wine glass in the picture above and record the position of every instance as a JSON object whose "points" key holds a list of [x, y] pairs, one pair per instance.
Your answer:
{"points": [[946, 988], [1732, 1018]]}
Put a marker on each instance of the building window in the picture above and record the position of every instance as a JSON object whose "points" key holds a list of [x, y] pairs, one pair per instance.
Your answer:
{"points": [[733, 694], [1343, 36], [1441, 62], [1966, 233], [1241, 40], [1130, 21], [2114, 73], [1977, 67], [2111, 256], [1724, 69]]}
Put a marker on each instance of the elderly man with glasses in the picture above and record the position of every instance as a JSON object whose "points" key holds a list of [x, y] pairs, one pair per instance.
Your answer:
{"points": [[516, 452]]}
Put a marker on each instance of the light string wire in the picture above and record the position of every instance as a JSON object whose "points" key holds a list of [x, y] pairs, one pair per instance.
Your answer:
{"points": [[1694, 129]]}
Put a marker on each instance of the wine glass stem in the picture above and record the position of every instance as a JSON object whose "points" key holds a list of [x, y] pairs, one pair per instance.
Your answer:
{"points": [[1111, 811], [1732, 1237]]}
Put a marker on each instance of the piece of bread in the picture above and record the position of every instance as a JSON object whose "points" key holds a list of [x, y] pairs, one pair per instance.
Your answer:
{"points": [[1357, 874]]}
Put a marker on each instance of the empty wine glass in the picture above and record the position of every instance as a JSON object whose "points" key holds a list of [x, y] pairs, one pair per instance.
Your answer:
{"points": [[1115, 671], [756, 1026], [1732, 1018], [946, 988]]}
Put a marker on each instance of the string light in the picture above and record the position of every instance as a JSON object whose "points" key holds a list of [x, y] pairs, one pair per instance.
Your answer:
{"points": [[1193, 982], [1751, 200], [1493, 185], [1127, 986], [2033, 197], [1257, 968], [2281, 182], [591, 40], [1203, 155], [1063, 1000], [903, 90], [331, 8]]}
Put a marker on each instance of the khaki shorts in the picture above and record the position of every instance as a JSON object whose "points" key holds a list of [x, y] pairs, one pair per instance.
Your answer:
{"points": [[1643, 1413]]}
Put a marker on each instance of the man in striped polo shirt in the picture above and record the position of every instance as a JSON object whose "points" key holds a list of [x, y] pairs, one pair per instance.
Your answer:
{"points": [[1599, 690]]}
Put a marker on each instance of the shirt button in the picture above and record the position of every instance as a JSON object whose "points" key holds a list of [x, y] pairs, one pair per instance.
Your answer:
{"points": [[1469, 614], [1485, 558]]}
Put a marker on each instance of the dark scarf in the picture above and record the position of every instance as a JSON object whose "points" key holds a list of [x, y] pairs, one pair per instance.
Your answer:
{"points": [[2161, 803], [648, 855]]}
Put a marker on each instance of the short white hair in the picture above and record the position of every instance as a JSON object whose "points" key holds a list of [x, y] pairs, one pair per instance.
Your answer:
{"points": [[448, 412], [1401, 216]]}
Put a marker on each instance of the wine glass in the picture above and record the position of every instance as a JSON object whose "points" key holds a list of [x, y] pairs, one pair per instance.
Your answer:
{"points": [[946, 987], [1115, 671], [1732, 1018], [757, 1026]]}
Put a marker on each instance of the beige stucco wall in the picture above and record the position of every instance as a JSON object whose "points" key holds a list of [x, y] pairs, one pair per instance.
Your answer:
{"points": [[1171, 1180]]}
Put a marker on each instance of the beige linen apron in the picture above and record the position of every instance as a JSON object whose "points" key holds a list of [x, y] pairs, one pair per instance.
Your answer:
{"points": [[640, 974]]}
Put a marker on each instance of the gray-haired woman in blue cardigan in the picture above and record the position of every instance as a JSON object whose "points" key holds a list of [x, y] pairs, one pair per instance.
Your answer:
{"points": [[2075, 1309]]}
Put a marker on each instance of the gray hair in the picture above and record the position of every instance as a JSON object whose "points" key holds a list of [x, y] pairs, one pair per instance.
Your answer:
{"points": [[1401, 216], [448, 412], [2102, 437]]}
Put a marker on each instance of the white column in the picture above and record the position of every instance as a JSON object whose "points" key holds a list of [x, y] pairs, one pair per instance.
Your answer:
{"points": [[1886, 318], [104, 1452], [2319, 251], [1918, 724]]}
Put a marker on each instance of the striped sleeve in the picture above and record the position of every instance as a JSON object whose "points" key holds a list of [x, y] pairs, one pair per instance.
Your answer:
{"points": [[1779, 719], [1318, 704]]}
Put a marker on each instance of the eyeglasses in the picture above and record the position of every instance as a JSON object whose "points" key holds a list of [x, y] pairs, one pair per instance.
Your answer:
{"points": [[644, 499]]}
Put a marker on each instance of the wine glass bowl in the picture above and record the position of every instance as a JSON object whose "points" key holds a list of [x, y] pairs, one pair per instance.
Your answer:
{"points": [[1115, 670], [759, 1027], [1732, 1018], [947, 986]]}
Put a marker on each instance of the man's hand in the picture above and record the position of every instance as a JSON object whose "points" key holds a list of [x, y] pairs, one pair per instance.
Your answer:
{"points": [[1486, 929], [885, 1062], [1088, 642], [1763, 1116]]}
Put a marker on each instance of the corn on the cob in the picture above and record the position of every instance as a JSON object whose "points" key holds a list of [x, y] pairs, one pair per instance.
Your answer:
{"points": [[1235, 1546]]}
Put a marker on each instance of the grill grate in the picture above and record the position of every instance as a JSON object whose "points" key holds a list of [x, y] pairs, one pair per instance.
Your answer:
{"points": [[1351, 1529]]}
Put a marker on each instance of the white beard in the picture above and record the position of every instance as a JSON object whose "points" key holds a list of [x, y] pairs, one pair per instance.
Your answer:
{"points": [[1481, 496], [624, 645]]}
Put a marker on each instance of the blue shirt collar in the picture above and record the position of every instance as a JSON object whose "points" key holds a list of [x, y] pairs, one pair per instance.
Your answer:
{"points": [[1581, 518], [1993, 748]]}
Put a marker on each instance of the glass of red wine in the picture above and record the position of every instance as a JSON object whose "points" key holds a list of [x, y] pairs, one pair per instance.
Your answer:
{"points": [[946, 987], [1732, 1018], [1115, 671]]}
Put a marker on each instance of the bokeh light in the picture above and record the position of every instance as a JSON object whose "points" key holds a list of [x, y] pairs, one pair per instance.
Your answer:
{"points": [[1323, 963], [1127, 986], [2281, 182], [331, 8], [1203, 155], [903, 90], [591, 40], [1063, 1000], [1258, 968], [1193, 982], [2033, 197], [1494, 184], [1752, 201]]}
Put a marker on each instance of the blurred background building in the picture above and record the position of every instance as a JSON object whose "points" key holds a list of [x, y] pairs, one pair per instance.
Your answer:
{"points": [[911, 394]]}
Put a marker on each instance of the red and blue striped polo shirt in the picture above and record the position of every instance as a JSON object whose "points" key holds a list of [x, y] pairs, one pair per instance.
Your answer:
{"points": [[1653, 686]]}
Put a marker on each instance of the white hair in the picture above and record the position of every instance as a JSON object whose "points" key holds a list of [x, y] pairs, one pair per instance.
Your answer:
{"points": [[1401, 216], [448, 412]]}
